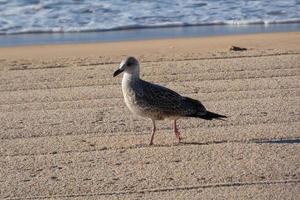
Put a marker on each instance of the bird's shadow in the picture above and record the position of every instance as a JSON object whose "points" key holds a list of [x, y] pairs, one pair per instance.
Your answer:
{"points": [[256, 141], [202, 143], [277, 141]]}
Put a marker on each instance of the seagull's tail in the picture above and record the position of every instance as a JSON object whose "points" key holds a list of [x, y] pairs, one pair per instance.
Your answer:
{"points": [[199, 111], [209, 116]]}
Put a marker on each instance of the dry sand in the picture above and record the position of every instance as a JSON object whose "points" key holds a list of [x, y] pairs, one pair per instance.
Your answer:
{"points": [[65, 132]]}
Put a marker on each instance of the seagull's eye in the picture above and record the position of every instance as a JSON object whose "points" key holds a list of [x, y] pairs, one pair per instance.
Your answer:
{"points": [[130, 62]]}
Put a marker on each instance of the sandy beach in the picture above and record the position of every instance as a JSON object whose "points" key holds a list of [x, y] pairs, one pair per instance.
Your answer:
{"points": [[65, 132]]}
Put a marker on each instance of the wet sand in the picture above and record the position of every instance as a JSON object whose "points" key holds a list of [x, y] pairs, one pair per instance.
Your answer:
{"points": [[65, 132]]}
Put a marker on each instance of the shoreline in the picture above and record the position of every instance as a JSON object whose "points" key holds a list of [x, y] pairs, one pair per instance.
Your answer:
{"points": [[29, 39], [174, 46]]}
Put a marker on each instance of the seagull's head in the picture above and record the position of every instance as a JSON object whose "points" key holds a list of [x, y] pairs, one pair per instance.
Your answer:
{"points": [[130, 65]]}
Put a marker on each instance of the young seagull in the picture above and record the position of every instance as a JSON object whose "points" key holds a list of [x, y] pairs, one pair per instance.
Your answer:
{"points": [[157, 102]]}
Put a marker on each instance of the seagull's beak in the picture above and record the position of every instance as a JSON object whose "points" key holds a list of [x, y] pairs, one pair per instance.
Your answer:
{"points": [[117, 72]]}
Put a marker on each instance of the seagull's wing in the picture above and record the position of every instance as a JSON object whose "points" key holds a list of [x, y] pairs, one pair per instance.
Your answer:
{"points": [[166, 101]]}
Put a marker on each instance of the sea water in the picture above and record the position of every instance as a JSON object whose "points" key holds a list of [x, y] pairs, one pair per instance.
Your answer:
{"points": [[64, 16]]}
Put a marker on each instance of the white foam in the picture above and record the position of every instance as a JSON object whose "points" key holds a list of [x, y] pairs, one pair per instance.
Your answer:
{"points": [[33, 16]]}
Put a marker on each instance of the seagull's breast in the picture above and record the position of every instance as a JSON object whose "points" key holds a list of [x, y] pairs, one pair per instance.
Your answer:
{"points": [[130, 91], [129, 97], [133, 92]]}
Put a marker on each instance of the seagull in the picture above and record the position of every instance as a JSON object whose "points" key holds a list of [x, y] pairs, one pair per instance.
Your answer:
{"points": [[157, 102]]}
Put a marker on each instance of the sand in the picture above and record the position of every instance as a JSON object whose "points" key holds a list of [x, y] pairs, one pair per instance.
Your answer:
{"points": [[65, 132]]}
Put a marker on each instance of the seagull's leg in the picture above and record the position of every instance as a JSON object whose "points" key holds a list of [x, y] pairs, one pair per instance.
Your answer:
{"points": [[153, 132], [177, 133]]}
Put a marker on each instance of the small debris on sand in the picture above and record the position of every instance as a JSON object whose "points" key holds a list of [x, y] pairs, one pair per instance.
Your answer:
{"points": [[235, 48]]}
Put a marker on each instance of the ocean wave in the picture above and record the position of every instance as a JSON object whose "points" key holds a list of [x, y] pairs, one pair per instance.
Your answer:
{"points": [[54, 16], [132, 27]]}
